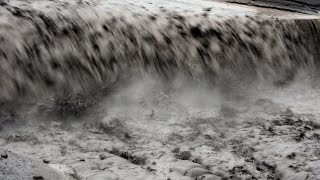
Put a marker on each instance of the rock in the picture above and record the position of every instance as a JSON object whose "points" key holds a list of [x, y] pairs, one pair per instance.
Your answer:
{"points": [[150, 169], [183, 167], [116, 127], [11, 169], [208, 177], [176, 150], [196, 172], [183, 155], [104, 176], [38, 178], [102, 156], [291, 155], [4, 155], [46, 161]]}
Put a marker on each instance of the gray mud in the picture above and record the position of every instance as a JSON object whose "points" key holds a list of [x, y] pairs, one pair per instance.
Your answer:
{"points": [[146, 131], [13, 166], [68, 46], [152, 90]]}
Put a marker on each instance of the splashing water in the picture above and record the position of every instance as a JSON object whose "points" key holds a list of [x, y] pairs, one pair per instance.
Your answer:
{"points": [[185, 90], [82, 46]]}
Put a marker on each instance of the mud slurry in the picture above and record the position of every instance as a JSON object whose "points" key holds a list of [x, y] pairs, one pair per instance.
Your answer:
{"points": [[147, 132], [165, 126], [13, 166], [49, 47]]}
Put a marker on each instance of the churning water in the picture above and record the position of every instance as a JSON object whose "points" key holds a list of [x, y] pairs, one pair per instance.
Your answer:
{"points": [[80, 46], [158, 89]]}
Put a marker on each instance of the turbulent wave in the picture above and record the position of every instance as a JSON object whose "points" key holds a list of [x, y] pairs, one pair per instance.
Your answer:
{"points": [[81, 46], [163, 94]]}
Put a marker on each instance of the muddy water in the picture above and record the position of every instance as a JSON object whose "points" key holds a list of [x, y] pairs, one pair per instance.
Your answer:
{"points": [[184, 91], [81, 46]]}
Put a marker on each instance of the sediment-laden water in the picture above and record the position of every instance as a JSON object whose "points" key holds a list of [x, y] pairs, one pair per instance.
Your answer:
{"points": [[157, 90], [80, 45]]}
